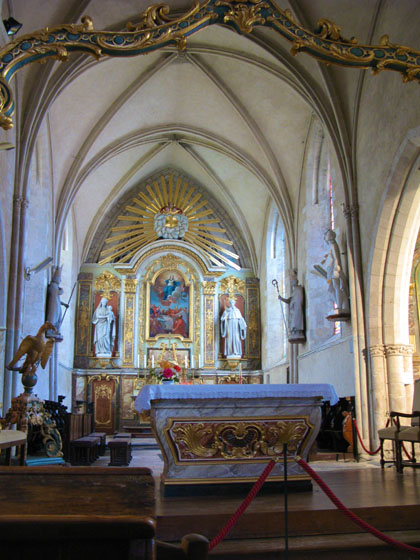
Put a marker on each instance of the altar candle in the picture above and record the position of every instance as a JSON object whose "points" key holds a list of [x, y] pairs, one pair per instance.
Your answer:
{"points": [[145, 361], [192, 362], [153, 361], [240, 373], [185, 362]]}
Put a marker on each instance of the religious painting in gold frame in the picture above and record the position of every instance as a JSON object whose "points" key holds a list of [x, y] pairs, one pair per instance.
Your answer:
{"points": [[169, 307]]}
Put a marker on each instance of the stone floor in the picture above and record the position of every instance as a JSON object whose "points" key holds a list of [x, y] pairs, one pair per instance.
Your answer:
{"points": [[146, 453]]}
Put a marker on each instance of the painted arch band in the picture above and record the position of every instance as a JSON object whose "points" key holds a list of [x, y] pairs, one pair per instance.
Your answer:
{"points": [[155, 29]]}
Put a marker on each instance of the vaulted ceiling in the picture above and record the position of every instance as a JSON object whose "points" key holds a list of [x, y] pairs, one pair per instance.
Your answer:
{"points": [[232, 111]]}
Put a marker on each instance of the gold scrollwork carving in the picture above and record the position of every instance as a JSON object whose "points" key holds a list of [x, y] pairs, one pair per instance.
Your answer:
{"points": [[330, 30], [103, 391], [194, 437], [169, 262], [130, 285], [157, 29], [103, 377], [209, 288], [232, 285], [243, 15], [107, 283], [236, 440]]}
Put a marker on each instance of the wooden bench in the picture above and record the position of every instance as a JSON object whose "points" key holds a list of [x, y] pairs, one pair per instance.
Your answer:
{"points": [[120, 450], [83, 513], [77, 513], [85, 450], [102, 441]]}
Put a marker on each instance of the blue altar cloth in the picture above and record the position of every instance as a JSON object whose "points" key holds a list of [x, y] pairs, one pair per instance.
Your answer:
{"points": [[174, 391]]}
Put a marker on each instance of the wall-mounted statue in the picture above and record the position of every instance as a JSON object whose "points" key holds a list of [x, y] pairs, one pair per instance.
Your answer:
{"points": [[233, 330], [54, 303], [338, 289], [104, 337], [296, 302]]}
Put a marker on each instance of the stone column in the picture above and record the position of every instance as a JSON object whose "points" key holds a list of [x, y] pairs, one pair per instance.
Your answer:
{"points": [[408, 376], [357, 304], [395, 356], [379, 388], [14, 298]]}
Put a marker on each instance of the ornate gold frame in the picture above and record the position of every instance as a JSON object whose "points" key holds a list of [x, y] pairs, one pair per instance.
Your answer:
{"points": [[157, 29]]}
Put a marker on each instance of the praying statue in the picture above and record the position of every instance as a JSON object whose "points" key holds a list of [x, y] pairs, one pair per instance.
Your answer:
{"points": [[337, 280], [233, 330], [104, 321], [296, 303]]}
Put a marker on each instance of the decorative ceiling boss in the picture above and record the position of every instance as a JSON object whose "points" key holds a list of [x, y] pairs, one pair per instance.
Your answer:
{"points": [[171, 209]]}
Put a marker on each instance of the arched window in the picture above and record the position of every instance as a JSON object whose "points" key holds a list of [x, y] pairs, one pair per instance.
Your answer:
{"points": [[275, 329]]}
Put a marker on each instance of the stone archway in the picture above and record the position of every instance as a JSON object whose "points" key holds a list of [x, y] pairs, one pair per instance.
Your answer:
{"points": [[389, 350]]}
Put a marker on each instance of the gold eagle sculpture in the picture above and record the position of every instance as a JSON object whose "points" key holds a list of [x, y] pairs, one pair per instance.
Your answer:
{"points": [[37, 349]]}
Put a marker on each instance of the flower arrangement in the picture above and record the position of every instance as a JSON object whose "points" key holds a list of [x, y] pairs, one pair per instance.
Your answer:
{"points": [[166, 372]]}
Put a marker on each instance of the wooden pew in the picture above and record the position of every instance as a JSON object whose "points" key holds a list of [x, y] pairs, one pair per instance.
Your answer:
{"points": [[77, 513], [83, 513]]}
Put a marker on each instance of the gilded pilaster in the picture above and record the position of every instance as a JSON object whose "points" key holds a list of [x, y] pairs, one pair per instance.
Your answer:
{"points": [[209, 289], [129, 286], [83, 320], [253, 321]]}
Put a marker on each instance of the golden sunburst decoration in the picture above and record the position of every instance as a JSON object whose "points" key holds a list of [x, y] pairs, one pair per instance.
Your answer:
{"points": [[172, 209]]}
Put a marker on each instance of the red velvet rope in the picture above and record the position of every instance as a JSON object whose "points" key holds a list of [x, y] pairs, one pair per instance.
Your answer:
{"points": [[361, 441], [406, 452], [376, 451], [233, 520], [365, 526]]}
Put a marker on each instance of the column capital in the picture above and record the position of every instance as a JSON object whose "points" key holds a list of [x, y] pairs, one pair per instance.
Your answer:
{"points": [[398, 350], [377, 351]]}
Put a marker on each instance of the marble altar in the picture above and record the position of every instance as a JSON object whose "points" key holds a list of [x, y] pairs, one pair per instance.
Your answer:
{"points": [[218, 434]]}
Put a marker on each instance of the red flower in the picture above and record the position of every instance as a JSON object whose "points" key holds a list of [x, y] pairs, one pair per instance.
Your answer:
{"points": [[177, 368], [167, 373]]}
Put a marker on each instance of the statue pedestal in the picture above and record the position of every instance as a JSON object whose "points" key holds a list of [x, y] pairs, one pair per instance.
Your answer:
{"points": [[28, 413], [340, 316]]}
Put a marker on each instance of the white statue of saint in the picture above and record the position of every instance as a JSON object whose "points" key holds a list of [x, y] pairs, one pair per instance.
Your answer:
{"points": [[337, 280], [233, 330], [296, 302], [104, 321]]}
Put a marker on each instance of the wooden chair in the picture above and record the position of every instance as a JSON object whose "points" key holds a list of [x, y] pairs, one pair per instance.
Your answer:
{"points": [[398, 434]]}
